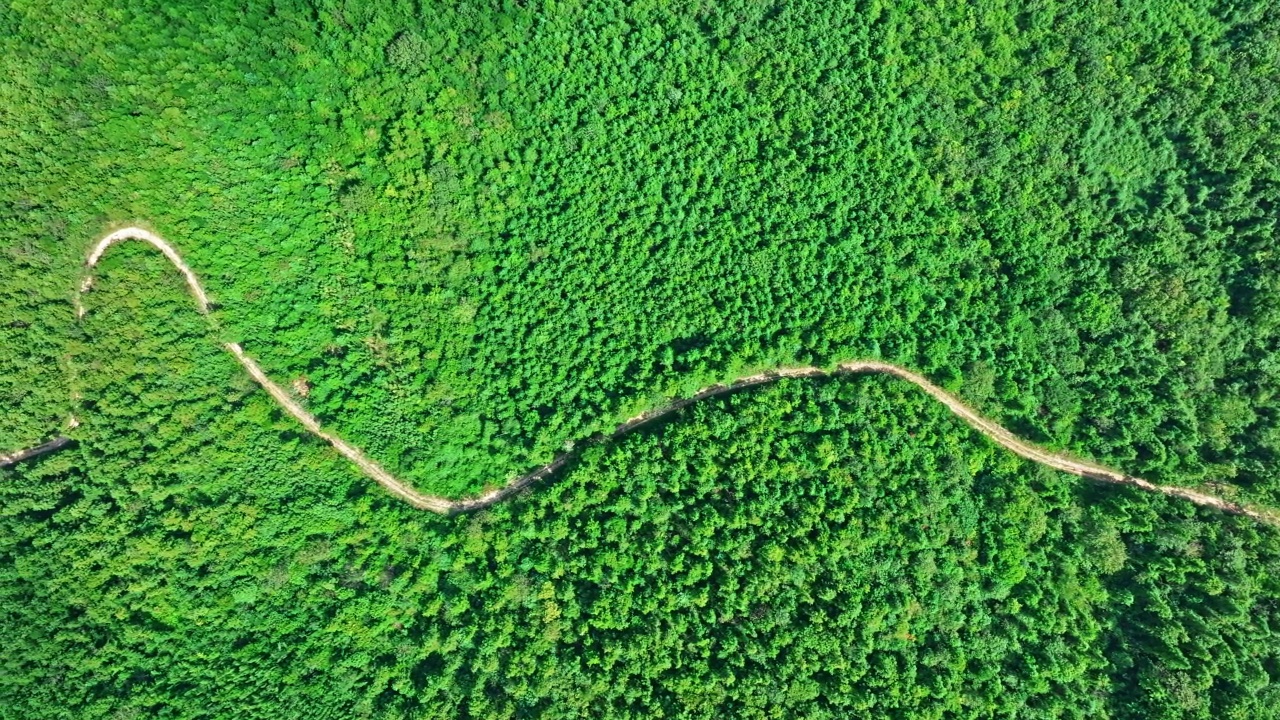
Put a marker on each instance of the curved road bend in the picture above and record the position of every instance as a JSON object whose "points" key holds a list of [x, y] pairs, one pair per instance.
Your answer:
{"points": [[404, 491]]}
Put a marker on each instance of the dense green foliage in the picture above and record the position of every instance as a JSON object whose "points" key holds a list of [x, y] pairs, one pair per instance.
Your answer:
{"points": [[484, 231], [473, 232], [810, 549]]}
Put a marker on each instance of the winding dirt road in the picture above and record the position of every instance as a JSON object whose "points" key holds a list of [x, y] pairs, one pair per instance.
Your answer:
{"points": [[990, 429]]}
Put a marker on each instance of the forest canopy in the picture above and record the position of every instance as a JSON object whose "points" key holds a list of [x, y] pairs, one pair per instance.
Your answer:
{"points": [[484, 231], [469, 234]]}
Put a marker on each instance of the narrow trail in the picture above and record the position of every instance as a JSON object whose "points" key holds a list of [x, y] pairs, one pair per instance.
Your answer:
{"points": [[404, 491]]}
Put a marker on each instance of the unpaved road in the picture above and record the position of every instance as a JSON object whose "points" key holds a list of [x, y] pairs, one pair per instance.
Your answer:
{"points": [[402, 490]]}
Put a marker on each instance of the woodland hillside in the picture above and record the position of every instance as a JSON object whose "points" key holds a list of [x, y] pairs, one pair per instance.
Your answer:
{"points": [[469, 234]]}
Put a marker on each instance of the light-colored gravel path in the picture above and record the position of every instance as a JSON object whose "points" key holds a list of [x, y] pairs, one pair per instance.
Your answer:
{"points": [[404, 491]]}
